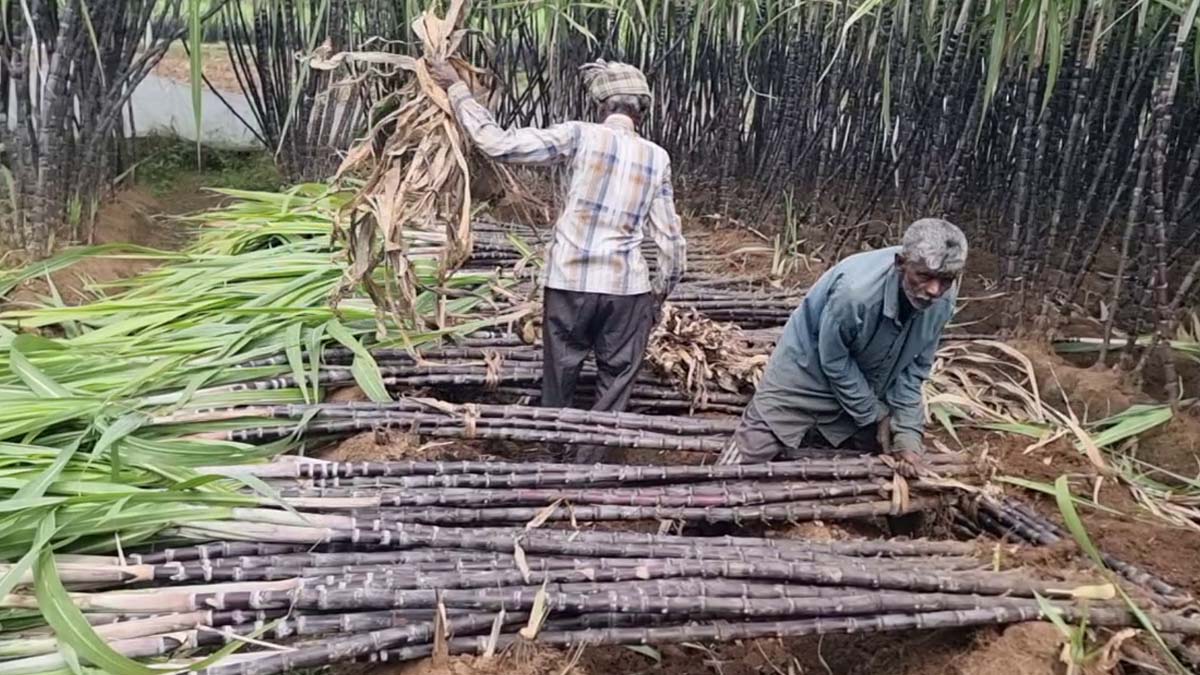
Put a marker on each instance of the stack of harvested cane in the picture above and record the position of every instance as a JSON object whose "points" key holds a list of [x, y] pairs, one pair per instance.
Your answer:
{"points": [[429, 417], [458, 492], [352, 569]]}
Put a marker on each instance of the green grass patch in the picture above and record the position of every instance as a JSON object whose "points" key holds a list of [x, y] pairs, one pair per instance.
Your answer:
{"points": [[166, 164]]}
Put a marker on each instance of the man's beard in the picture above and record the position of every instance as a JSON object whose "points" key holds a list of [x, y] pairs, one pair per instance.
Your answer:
{"points": [[918, 300]]}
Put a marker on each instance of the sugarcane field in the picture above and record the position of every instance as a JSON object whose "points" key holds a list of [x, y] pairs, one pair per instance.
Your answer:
{"points": [[566, 337]]}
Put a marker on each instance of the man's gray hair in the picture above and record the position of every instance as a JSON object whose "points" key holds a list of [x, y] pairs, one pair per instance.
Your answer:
{"points": [[638, 103], [938, 244]]}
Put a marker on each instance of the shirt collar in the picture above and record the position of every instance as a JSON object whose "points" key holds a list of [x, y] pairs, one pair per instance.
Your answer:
{"points": [[891, 295], [619, 121]]}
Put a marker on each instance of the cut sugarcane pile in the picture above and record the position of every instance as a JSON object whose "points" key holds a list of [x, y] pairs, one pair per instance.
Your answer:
{"points": [[439, 419], [353, 495], [498, 370], [338, 578]]}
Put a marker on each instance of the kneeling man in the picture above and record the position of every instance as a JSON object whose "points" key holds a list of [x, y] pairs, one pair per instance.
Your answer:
{"points": [[849, 367]]}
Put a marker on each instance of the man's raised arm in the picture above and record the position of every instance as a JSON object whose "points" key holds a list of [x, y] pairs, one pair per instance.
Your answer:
{"points": [[529, 145]]}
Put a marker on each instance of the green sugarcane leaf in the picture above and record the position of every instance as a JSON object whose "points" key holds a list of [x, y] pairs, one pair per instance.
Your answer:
{"points": [[45, 531], [195, 42], [1149, 627], [1054, 615], [296, 359], [125, 425], [995, 61], [1049, 490], [37, 381], [38, 486], [943, 417], [1066, 505], [647, 651], [74, 255], [316, 338], [1133, 422], [72, 628], [1054, 44], [71, 658], [29, 343], [364, 368]]}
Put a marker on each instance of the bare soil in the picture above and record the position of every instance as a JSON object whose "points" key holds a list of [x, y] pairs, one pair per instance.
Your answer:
{"points": [[1174, 447], [132, 216], [216, 65], [1134, 536]]}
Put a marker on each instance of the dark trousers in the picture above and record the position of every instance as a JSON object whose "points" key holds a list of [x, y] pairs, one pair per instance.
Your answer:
{"points": [[615, 327]]}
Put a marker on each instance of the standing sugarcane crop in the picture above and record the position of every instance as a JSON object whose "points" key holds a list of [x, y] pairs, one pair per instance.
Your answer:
{"points": [[598, 292], [853, 357]]}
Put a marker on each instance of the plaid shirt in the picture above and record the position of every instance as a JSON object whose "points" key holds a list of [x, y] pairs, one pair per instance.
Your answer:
{"points": [[618, 183]]}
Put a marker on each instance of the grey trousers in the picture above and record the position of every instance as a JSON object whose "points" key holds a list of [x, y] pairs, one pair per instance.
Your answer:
{"points": [[754, 442], [615, 327]]}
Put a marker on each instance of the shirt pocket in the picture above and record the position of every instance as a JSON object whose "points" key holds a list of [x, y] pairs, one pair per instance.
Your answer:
{"points": [[874, 355]]}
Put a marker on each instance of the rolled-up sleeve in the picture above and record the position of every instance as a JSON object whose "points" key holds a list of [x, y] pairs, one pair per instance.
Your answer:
{"points": [[528, 145], [840, 320], [668, 236]]}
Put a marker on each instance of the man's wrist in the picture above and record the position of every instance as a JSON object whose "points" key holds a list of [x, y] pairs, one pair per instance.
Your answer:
{"points": [[881, 411], [907, 442]]}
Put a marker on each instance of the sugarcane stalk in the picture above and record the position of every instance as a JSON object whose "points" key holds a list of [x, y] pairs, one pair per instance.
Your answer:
{"points": [[838, 468], [729, 631], [616, 600], [350, 647], [1013, 507], [139, 628], [787, 511], [328, 499], [691, 544], [217, 549]]}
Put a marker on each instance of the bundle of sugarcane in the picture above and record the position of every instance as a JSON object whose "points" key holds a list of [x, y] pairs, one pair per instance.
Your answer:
{"points": [[471, 372], [311, 589], [801, 483], [439, 419]]}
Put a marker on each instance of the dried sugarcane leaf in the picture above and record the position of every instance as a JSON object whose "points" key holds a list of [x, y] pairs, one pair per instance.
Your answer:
{"points": [[900, 500], [519, 559], [1110, 653], [537, 615], [489, 650], [647, 651], [441, 645], [543, 515]]}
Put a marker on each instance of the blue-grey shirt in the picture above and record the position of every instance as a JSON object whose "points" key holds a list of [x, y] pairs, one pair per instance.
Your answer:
{"points": [[850, 353]]}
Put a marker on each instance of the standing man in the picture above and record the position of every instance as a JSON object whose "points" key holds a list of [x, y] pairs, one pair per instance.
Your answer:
{"points": [[853, 357], [598, 292]]}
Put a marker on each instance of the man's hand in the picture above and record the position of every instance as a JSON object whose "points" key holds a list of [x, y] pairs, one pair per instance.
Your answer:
{"points": [[910, 464], [660, 300], [444, 74]]}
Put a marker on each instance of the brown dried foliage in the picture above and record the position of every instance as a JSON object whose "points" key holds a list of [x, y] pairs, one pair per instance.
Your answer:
{"points": [[697, 353]]}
